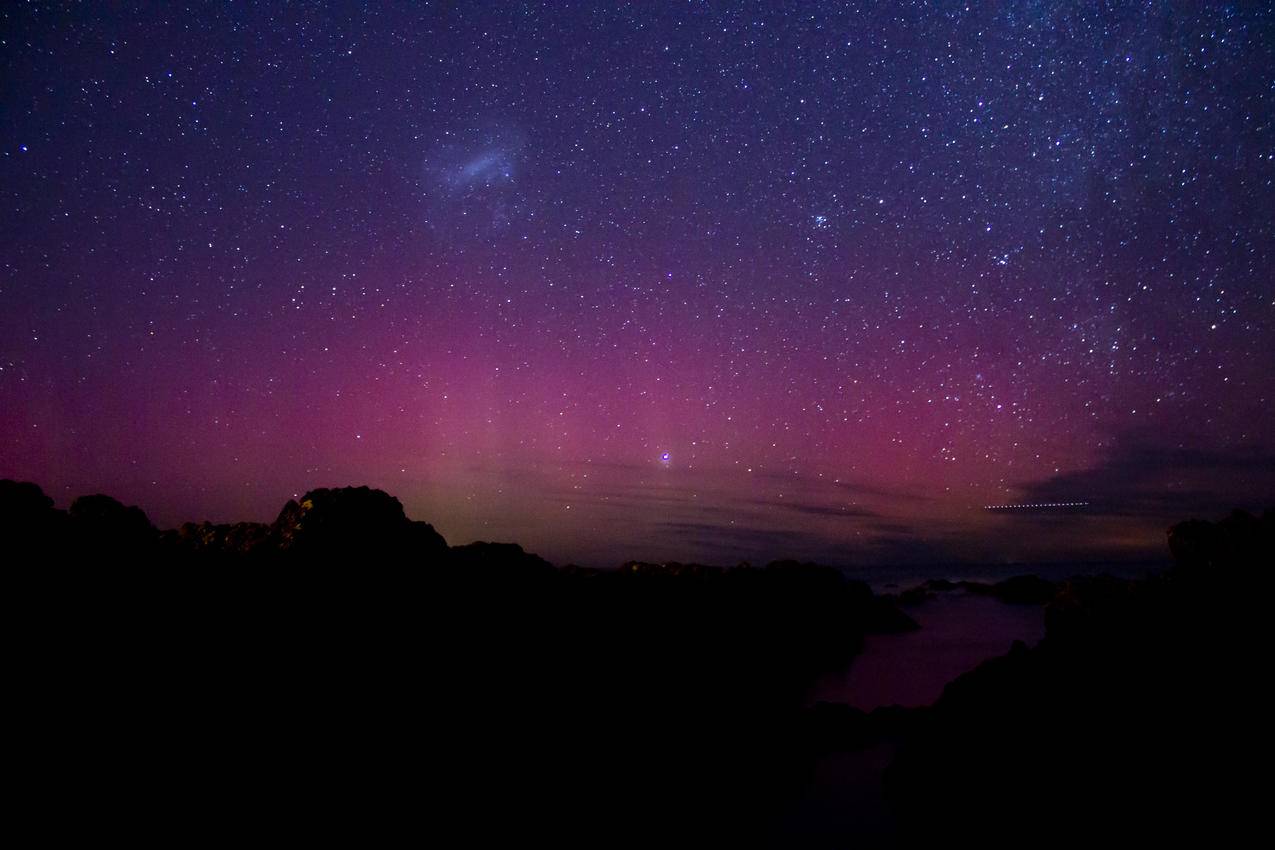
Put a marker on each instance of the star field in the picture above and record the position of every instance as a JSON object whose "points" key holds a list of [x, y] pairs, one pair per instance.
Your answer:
{"points": [[693, 280]]}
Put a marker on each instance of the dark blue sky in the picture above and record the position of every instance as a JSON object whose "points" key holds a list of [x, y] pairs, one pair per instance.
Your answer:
{"points": [[712, 280]]}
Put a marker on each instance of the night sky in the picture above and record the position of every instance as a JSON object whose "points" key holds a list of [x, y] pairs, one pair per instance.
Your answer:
{"points": [[710, 281]]}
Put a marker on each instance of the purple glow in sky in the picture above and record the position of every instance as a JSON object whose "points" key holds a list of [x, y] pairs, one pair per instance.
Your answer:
{"points": [[710, 282]]}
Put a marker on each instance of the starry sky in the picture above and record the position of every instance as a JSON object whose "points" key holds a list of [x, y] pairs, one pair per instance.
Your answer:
{"points": [[702, 281]]}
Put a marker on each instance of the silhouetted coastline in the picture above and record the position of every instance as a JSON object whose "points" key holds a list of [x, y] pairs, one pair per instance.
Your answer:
{"points": [[343, 672]]}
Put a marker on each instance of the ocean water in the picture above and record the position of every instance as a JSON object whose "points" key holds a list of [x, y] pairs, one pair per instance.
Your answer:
{"points": [[959, 631], [892, 579]]}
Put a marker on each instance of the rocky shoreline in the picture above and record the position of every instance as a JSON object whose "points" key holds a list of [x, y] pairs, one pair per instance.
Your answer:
{"points": [[346, 671]]}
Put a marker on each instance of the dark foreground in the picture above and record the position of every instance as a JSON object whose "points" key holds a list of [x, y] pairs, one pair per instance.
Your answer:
{"points": [[343, 674]]}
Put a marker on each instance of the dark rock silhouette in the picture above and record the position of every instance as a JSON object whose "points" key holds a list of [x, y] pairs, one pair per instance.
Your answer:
{"points": [[1133, 719], [361, 656], [347, 670]]}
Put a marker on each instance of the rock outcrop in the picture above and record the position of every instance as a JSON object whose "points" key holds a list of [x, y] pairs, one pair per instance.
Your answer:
{"points": [[354, 523], [1135, 719]]}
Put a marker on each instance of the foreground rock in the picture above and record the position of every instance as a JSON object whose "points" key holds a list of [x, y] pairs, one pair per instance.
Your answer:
{"points": [[1133, 720], [346, 669]]}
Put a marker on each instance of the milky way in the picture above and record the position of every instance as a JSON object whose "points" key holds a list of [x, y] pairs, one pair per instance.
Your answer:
{"points": [[714, 281]]}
